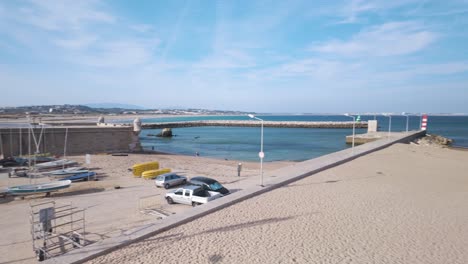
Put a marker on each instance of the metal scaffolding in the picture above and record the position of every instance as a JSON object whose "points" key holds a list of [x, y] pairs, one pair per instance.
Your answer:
{"points": [[56, 228]]}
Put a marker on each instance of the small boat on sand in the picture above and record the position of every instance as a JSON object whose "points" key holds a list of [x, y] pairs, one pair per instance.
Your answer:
{"points": [[80, 177], [39, 188], [39, 159], [55, 164], [67, 171], [22, 161]]}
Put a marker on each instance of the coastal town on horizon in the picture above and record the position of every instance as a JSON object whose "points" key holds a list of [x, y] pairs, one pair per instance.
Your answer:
{"points": [[124, 109]]}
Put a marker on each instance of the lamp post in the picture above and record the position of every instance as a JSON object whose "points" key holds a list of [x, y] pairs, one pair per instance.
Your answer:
{"points": [[260, 154], [389, 124], [407, 120], [354, 126]]}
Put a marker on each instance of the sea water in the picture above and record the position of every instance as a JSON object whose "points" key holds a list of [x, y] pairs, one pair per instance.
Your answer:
{"points": [[291, 144]]}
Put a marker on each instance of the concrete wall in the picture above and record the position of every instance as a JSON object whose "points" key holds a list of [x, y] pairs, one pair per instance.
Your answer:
{"points": [[372, 126], [80, 140]]}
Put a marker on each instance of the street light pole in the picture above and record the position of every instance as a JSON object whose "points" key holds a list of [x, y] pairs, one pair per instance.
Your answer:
{"points": [[407, 123], [389, 124], [261, 154], [407, 120], [354, 126]]}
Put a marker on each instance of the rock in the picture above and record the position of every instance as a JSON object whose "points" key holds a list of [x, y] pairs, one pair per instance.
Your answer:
{"points": [[166, 132], [434, 140]]}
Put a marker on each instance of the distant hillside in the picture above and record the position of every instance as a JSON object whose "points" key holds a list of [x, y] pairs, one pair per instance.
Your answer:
{"points": [[48, 109], [115, 106], [107, 109]]}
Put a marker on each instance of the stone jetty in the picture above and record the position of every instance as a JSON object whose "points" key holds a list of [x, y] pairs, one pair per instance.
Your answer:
{"points": [[249, 123]]}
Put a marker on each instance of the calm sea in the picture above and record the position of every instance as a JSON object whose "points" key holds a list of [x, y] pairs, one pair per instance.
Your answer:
{"points": [[293, 144]]}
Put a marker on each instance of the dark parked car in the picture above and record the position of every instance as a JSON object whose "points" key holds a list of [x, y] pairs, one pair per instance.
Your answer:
{"points": [[13, 162], [209, 184]]}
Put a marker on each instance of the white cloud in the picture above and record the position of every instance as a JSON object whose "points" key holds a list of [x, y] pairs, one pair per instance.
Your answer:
{"points": [[227, 59], [408, 73], [79, 32], [63, 15], [141, 28], [353, 11], [311, 70], [341, 75], [394, 38], [312, 67], [175, 30], [76, 42], [441, 68], [117, 54], [359, 11]]}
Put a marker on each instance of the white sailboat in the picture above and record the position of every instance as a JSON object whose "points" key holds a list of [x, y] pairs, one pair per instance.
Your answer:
{"points": [[38, 188]]}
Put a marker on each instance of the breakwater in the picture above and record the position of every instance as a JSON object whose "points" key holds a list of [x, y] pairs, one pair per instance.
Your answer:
{"points": [[240, 123]]}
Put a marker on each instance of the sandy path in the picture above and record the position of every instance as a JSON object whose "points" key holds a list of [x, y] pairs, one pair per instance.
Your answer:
{"points": [[404, 204]]}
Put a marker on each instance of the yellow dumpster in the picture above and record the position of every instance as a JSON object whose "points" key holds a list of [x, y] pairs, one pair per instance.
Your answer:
{"points": [[139, 168]]}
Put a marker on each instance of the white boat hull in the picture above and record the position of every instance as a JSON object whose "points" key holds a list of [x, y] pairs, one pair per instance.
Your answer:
{"points": [[39, 188]]}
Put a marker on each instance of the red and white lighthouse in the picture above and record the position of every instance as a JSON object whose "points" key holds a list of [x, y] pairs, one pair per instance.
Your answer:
{"points": [[424, 122]]}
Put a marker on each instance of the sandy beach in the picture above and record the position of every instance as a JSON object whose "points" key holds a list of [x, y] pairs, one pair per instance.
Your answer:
{"points": [[403, 204], [109, 211]]}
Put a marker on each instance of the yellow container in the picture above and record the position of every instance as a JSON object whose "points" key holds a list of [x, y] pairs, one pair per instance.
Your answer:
{"points": [[151, 174], [139, 168]]}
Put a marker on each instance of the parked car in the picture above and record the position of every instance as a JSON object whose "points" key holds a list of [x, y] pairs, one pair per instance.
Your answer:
{"points": [[13, 162], [192, 195], [169, 179], [209, 184]]}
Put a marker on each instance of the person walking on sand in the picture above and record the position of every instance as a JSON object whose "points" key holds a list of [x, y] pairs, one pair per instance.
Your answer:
{"points": [[197, 154]]}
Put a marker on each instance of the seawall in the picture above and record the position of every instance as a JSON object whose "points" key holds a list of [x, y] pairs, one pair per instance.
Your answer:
{"points": [[249, 123], [80, 140]]}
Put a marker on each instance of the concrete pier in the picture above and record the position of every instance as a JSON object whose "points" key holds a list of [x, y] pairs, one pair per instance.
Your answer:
{"points": [[360, 139], [250, 123]]}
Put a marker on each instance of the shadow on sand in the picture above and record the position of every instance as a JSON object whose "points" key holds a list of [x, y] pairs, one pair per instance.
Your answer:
{"points": [[228, 228], [77, 192], [6, 199], [292, 185]]}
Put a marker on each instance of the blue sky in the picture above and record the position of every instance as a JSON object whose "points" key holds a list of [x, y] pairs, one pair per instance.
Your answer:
{"points": [[263, 56]]}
